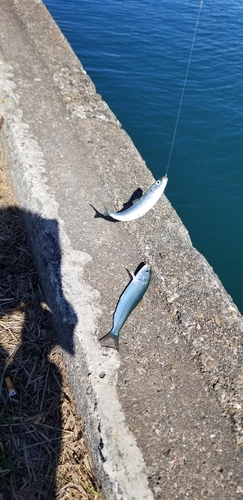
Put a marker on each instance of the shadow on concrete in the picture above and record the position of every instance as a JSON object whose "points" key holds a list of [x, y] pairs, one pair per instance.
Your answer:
{"points": [[137, 194], [30, 420]]}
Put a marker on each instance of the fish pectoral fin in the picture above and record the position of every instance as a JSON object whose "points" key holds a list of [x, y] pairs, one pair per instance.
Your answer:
{"points": [[107, 214], [135, 201], [114, 337]]}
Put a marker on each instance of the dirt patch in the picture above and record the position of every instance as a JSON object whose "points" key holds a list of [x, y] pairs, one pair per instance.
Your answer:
{"points": [[42, 446]]}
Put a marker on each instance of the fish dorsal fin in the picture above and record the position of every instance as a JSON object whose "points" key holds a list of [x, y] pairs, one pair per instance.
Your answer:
{"points": [[131, 274]]}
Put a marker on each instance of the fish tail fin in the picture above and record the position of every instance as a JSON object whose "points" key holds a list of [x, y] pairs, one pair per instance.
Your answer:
{"points": [[113, 336]]}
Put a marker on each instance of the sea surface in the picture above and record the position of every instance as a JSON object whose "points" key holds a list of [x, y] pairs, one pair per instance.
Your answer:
{"points": [[138, 54]]}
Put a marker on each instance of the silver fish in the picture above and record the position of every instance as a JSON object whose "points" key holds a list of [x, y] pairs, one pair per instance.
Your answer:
{"points": [[144, 204], [130, 298]]}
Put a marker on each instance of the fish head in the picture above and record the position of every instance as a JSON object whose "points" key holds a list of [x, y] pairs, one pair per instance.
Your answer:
{"points": [[160, 184], [144, 274]]}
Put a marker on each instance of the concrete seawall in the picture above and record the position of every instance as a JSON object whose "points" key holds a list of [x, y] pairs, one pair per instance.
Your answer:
{"points": [[164, 416]]}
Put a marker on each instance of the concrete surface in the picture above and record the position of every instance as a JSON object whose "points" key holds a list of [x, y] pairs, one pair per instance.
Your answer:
{"points": [[164, 416]]}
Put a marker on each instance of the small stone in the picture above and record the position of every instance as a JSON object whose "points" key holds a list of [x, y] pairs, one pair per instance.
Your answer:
{"points": [[189, 329], [185, 281], [200, 315], [211, 362], [174, 280], [157, 490], [224, 311], [239, 440], [230, 322], [217, 320], [237, 406], [102, 374], [172, 298], [184, 320]]}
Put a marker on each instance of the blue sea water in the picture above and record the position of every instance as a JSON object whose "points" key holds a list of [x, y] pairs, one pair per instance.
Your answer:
{"points": [[137, 54]]}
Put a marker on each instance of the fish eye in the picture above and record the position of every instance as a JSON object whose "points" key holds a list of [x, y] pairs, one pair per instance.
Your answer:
{"points": [[158, 182]]}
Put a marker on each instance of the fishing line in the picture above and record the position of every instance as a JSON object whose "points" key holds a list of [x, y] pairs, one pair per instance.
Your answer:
{"points": [[184, 86]]}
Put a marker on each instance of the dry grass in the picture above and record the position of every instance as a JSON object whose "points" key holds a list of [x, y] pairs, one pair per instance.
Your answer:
{"points": [[42, 449]]}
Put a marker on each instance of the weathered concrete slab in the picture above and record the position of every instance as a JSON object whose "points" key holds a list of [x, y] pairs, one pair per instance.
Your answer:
{"points": [[163, 417]]}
